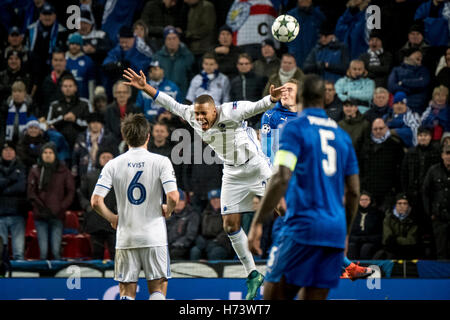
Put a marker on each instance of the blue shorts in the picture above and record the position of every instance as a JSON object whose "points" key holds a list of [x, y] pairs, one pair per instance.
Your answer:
{"points": [[304, 265]]}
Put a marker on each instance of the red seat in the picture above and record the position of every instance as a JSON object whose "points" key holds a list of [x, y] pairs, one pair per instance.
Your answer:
{"points": [[77, 246], [32, 247], [30, 228], [71, 222]]}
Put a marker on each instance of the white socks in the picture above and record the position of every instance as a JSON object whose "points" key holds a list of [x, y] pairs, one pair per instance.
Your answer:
{"points": [[126, 298], [157, 296], [239, 241]]}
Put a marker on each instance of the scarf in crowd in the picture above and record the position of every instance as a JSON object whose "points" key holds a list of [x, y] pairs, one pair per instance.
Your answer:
{"points": [[375, 57], [382, 139], [207, 78], [286, 76], [13, 110], [401, 217], [47, 170], [363, 212], [436, 108]]}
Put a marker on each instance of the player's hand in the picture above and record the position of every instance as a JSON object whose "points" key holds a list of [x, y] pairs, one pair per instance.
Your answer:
{"points": [[165, 213], [135, 80], [114, 221], [275, 93], [254, 238], [281, 207]]}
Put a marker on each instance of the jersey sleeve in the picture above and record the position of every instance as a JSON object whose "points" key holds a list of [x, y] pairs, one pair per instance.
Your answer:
{"points": [[168, 179], [245, 109], [290, 147], [104, 182], [182, 110]]}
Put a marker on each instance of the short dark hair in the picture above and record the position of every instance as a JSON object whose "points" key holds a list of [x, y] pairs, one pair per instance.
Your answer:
{"points": [[160, 123], [68, 76], [209, 55], [204, 98], [135, 129], [313, 91], [246, 56]]}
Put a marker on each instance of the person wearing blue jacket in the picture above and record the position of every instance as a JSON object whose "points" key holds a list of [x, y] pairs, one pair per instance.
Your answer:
{"points": [[310, 18], [436, 117], [351, 28], [157, 80], [329, 58], [412, 78], [436, 25], [130, 52]]}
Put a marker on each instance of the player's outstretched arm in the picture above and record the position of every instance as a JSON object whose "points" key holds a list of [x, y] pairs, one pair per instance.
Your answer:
{"points": [[98, 204], [253, 108], [276, 189], [139, 81]]}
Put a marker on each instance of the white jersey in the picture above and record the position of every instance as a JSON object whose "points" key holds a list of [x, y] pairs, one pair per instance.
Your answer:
{"points": [[231, 139], [138, 177]]}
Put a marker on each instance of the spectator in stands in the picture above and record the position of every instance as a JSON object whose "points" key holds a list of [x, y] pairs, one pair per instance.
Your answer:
{"points": [[176, 60], [415, 165], [351, 27], [95, 9], [436, 25], [16, 43], [415, 40], [310, 18], [356, 86], [130, 52], [30, 144], [288, 70], [201, 27], [13, 72], [210, 81], [381, 157], [32, 13], [436, 116], [269, 63], [182, 229], [329, 58], [413, 79], [159, 14], [13, 206], [50, 90], [226, 53], [14, 113], [156, 79], [88, 144], [159, 141], [44, 36], [140, 30], [212, 243], [355, 125], [379, 105], [81, 66], [51, 190], [116, 111], [247, 85], [436, 200], [333, 105], [400, 232], [96, 43], [443, 70], [99, 229], [377, 61], [402, 121], [68, 115], [367, 228], [100, 100]]}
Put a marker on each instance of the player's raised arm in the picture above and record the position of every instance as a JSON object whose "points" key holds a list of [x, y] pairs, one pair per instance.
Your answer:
{"points": [[251, 109], [139, 81]]}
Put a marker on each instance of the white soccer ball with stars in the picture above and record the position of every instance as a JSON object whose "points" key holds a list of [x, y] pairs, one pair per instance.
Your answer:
{"points": [[285, 28]]}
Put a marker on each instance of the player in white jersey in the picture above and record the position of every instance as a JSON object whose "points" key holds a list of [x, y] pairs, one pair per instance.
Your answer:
{"points": [[139, 178], [246, 168]]}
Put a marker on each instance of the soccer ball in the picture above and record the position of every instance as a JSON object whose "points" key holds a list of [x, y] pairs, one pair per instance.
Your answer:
{"points": [[285, 28]]}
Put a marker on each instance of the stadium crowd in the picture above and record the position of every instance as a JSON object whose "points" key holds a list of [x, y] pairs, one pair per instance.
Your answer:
{"points": [[62, 100]]}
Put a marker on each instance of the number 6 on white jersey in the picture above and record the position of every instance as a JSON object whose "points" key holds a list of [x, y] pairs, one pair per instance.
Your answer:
{"points": [[328, 165]]}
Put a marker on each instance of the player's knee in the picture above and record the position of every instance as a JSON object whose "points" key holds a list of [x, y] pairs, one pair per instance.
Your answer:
{"points": [[230, 227]]}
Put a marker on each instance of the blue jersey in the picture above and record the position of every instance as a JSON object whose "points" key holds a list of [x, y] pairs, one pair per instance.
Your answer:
{"points": [[321, 156], [271, 122], [83, 70]]}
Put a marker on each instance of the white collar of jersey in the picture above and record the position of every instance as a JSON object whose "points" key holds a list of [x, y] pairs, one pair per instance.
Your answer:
{"points": [[136, 148]]}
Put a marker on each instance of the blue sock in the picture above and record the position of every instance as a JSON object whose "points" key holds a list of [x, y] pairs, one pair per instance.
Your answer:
{"points": [[346, 262]]}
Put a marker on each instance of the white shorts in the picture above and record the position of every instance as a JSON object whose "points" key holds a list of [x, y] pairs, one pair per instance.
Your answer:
{"points": [[240, 184], [155, 262]]}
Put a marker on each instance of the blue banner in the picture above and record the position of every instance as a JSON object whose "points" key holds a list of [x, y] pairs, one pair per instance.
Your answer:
{"points": [[211, 289]]}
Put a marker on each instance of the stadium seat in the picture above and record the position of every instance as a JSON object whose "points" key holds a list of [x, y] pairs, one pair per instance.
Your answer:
{"points": [[71, 222], [76, 246], [31, 242], [30, 229]]}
